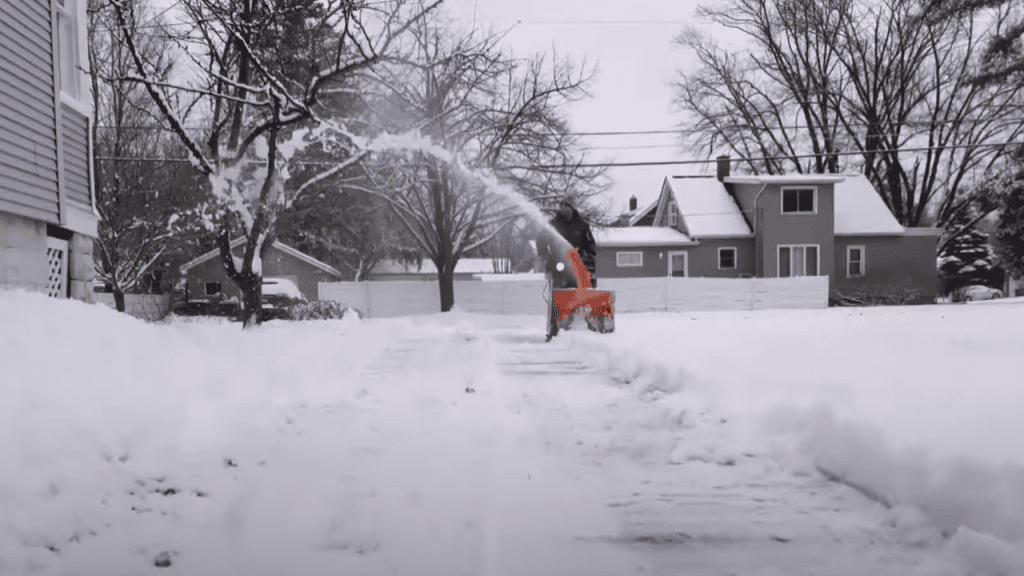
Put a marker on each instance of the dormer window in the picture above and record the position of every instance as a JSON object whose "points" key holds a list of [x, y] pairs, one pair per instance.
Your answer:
{"points": [[673, 217], [799, 201]]}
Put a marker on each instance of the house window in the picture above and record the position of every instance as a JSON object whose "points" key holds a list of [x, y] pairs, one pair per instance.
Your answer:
{"points": [[678, 264], [629, 259], [799, 200], [798, 260], [212, 288], [854, 261], [726, 258], [673, 216], [68, 54]]}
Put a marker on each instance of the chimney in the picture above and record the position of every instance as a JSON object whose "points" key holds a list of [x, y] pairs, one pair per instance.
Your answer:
{"points": [[632, 203], [723, 167]]}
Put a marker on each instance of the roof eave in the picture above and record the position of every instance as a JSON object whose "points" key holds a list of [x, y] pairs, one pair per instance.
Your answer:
{"points": [[803, 179], [646, 244], [722, 236]]}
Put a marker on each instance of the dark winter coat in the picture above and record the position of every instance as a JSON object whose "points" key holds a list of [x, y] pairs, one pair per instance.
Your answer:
{"points": [[577, 232]]}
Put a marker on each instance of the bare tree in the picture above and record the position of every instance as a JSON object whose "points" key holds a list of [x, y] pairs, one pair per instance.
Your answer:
{"points": [[841, 85], [492, 118], [1004, 59], [134, 224], [259, 77]]}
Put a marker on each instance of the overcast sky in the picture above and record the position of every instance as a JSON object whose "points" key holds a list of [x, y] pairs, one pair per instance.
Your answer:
{"points": [[631, 44]]}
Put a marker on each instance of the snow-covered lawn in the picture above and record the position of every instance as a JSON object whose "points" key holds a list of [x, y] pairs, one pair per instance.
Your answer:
{"points": [[838, 441]]}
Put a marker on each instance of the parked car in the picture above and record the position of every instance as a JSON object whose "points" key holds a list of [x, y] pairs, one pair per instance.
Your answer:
{"points": [[278, 295], [978, 292]]}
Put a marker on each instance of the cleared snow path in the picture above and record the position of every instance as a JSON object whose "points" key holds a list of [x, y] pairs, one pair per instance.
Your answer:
{"points": [[633, 482]]}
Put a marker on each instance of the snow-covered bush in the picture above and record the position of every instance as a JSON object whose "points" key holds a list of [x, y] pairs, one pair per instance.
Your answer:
{"points": [[320, 310]]}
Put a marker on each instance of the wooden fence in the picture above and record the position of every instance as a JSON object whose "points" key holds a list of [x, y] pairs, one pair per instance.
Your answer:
{"points": [[527, 297]]}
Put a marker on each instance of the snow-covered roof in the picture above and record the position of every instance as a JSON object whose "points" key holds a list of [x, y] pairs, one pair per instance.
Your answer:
{"points": [[707, 207], [638, 214], [860, 210], [215, 253], [786, 179], [463, 266], [641, 236]]}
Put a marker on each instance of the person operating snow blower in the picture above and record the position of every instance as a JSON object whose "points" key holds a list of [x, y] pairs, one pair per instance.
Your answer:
{"points": [[575, 233]]}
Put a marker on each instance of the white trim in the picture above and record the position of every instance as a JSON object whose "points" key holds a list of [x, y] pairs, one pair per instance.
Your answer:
{"points": [[619, 264], [782, 200], [863, 269], [77, 14], [796, 179], [83, 222], [778, 259], [686, 262], [735, 254], [724, 237]]}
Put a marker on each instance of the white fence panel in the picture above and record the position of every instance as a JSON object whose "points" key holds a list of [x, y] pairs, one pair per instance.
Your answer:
{"points": [[522, 297], [799, 292], [706, 294], [403, 298], [525, 297], [480, 297], [636, 294], [354, 294]]}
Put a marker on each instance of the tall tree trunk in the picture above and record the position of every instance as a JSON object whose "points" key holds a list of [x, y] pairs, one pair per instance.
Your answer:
{"points": [[119, 300], [252, 298], [446, 283]]}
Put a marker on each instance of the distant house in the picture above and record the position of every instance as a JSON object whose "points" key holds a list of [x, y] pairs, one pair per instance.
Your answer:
{"points": [[832, 225], [48, 212], [465, 269], [206, 280]]}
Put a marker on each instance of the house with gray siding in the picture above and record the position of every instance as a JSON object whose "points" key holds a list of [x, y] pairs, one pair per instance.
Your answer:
{"points": [[723, 226], [205, 280], [48, 213]]}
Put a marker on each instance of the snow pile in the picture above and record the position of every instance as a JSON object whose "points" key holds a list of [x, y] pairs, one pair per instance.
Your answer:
{"points": [[96, 402], [910, 406]]}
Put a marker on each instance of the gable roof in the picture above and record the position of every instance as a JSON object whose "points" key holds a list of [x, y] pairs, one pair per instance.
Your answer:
{"points": [[860, 210], [463, 266], [707, 208], [638, 214], [641, 236], [276, 245]]}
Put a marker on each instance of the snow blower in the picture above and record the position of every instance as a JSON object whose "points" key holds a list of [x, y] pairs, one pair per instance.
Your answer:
{"points": [[568, 304]]}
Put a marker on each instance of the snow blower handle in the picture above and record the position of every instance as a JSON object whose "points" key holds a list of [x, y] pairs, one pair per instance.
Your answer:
{"points": [[583, 278]]}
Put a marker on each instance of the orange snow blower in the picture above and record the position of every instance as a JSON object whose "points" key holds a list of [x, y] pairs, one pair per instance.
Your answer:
{"points": [[567, 303]]}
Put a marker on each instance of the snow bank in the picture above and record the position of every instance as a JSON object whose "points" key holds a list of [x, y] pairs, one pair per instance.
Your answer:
{"points": [[912, 406], [145, 399]]}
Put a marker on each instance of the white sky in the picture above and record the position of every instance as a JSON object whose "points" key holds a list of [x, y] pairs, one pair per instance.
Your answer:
{"points": [[631, 43], [637, 62]]}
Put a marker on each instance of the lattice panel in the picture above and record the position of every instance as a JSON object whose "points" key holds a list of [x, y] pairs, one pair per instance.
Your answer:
{"points": [[57, 264]]}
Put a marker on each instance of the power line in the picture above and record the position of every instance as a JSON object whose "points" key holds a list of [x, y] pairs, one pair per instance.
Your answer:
{"points": [[764, 158], [655, 163]]}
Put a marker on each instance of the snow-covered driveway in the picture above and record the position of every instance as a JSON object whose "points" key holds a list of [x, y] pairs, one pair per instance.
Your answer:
{"points": [[451, 444]]}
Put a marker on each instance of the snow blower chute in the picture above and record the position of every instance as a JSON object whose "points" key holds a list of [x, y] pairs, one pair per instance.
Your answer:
{"points": [[569, 303]]}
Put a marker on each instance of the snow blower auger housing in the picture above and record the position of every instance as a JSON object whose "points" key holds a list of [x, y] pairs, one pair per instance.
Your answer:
{"points": [[567, 304]]}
